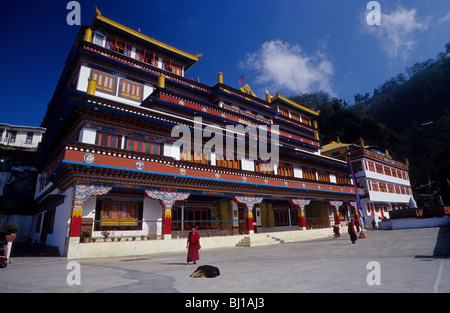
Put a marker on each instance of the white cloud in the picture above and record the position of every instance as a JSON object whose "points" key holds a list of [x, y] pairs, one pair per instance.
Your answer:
{"points": [[282, 66], [444, 19], [397, 32]]}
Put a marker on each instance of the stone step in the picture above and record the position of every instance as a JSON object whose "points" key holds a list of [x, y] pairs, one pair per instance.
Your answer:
{"points": [[257, 240], [284, 237]]}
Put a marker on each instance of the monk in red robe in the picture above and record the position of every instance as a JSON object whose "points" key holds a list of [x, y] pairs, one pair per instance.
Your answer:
{"points": [[352, 232], [193, 245]]}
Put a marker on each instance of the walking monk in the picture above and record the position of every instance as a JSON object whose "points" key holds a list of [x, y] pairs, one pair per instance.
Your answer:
{"points": [[193, 245], [352, 232]]}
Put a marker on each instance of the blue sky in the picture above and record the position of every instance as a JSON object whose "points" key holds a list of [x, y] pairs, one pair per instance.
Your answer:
{"points": [[291, 46]]}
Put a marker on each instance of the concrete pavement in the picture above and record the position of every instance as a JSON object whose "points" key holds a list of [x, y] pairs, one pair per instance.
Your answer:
{"points": [[407, 261]]}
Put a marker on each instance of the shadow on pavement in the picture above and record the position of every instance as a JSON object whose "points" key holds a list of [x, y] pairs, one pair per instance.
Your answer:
{"points": [[442, 246]]}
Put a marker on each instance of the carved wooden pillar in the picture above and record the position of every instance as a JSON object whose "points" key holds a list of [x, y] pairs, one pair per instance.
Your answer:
{"points": [[336, 205], [300, 205], [249, 202], [82, 193], [168, 199]]}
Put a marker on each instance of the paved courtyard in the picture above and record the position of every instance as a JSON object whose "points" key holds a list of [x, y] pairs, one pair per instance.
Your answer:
{"points": [[407, 261]]}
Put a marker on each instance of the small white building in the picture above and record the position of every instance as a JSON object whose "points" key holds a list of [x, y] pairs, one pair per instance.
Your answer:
{"points": [[385, 181], [24, 137]]}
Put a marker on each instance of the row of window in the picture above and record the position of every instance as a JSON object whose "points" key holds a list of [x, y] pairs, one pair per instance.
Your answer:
{"points": [[138, 145], [295, 116], [133, 51], [11, 136], [389, 188], [385, 170], [131, 144], [127, 89], [236, 109]]}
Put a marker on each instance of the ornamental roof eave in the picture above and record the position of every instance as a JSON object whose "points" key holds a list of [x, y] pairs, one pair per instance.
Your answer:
{"points": [[192, 59], [295, 105]]}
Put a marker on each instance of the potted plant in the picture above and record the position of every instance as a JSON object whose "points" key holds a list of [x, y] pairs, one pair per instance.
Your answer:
{"points": [[10, 235], [105, 235], [10, 232], [85, 235]]}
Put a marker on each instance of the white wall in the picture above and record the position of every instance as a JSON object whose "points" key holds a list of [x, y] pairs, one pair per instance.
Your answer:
{"points": [[82, 85], [408, 223]]}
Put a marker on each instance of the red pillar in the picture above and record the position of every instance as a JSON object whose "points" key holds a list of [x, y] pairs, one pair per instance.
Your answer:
{"points": [[301, 217], [300, 205], [250, 220], [167, 222], [75, 223]]}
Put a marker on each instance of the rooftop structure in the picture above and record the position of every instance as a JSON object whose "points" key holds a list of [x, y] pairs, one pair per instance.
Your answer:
{"points": [[385, 180]]}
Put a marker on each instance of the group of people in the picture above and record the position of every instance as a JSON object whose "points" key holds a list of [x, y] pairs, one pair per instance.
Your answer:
{"points": [[193, 241], [353, 228]]}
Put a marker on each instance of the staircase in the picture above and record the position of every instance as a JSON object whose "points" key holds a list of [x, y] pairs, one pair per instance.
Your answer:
{"points": [[257, 240], [273, 238]]}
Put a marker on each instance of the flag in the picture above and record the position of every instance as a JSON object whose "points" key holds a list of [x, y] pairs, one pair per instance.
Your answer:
{"points": [[241, 79], [349, 167]]}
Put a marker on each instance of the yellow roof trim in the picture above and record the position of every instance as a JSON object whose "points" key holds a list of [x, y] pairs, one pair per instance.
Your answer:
{"points": [[146, 38], [333, 146], [278, 96]]}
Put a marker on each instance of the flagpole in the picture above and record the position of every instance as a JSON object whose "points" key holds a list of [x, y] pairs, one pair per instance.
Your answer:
{"points": [[358, 201]]}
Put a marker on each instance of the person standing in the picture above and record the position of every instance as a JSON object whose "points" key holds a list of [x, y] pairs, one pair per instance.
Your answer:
{"points": [[352, 232], [193, 245]]}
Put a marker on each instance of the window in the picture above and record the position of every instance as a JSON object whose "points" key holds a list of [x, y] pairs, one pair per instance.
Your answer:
{"points": [[285, 171], [105, 82], [151, 58], [343, 180], [107, 140], [140, 54], [394, 173], [306, 120], [379, 169], [391, 188], [133, 144], [309, 174], [375, 186], [283, 112], [29, 137], [295, 116], [323, 176], [186, 155], [130, 89], [264, 167], [98, 39], [13, 136], [224, 162], [119, 213], [371, 167], [383, 187]]}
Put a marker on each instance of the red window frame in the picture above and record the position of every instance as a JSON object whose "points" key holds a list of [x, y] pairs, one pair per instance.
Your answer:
{"points": [[138, 145], [107, 140], [119, 213], [104, 81], [130, 89]]}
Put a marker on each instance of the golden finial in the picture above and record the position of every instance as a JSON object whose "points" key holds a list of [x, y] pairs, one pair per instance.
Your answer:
{"points": [[268, 97], [97, 11]]}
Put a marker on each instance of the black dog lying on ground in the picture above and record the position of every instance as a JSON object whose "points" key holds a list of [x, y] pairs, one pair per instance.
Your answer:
{"points": [[208, 271]]}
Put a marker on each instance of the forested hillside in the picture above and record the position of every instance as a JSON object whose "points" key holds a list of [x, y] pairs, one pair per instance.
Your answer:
{"points": [[409, 115]]}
